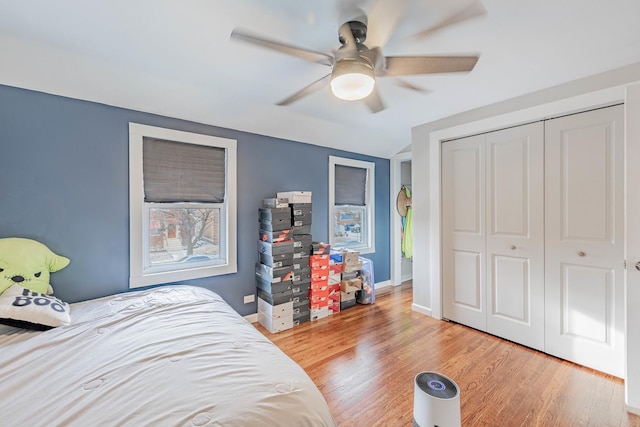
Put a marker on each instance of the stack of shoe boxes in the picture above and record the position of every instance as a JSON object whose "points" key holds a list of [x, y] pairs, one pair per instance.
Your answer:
{"points": [[274, 271], [350, 280], [335, 277], [319, 293], [300, 206]]}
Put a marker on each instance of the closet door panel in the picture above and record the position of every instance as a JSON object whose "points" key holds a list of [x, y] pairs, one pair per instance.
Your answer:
{"points": [[463, 232], [585, 239], [515, 234]]}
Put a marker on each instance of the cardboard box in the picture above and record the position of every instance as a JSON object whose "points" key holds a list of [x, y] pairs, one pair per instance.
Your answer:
{"points": [[302, 229], [348, 268], [276, 236], [320, 276], [350, 285], [350, 257], [318, 248], [347, 296], [275, 299], [347, 275], [336, 268], [318, 260], [274, 202], [274, 275], [318, 288], [318, 300], [302, 251], [334, 279], [300, 220], [302, 282], [300, 209], [301, 241], [273, 288], [273, 249], [295, 196], [302, 275], [270, 214], [334, 307], [302, 317], [301, 305], [346, 304], [319, 313], [275, 225], [274, 325], [280, 310], [320, 269], [281, 260], [300, 263]]}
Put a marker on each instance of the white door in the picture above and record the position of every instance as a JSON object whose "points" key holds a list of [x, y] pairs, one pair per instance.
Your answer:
{"points": [[515, 234], [463, 232], [584, 251]]}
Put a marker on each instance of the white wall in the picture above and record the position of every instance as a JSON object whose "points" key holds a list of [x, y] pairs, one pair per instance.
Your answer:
{"points": [[603, 89], [632, 294]]}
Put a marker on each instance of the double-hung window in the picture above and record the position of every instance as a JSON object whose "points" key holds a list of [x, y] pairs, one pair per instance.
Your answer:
{"points": [[182, 195], [351, 204]]}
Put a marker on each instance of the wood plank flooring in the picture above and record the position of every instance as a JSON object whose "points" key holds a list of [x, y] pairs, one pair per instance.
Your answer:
{"points": [[364, 361]]}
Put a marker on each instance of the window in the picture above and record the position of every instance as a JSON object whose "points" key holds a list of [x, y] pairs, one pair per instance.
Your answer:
{"points": [[351, 204], [182, 198]]}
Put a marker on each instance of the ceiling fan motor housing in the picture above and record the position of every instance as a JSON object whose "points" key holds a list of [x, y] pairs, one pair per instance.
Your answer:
{"points": [[357, 28]]}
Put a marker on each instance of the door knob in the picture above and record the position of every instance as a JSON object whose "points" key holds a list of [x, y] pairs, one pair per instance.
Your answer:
{"points": [[513, 247], [581, 253], [638, 266]]}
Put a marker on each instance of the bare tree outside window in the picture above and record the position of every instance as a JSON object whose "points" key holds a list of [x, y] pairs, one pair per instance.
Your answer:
{"points": [[183, 234]]}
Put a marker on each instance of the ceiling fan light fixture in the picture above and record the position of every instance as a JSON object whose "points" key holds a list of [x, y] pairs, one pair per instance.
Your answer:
{"points": [[352, 79]]}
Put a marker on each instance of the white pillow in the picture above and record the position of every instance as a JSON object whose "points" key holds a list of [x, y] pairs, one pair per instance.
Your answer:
{"points": [[23, 308]]}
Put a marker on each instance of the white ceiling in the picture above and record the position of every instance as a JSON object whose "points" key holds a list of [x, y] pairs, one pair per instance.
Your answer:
{"points": [[175, 58]]}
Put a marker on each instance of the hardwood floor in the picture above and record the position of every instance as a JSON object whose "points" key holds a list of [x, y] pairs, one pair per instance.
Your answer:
{"points": [[365, 358]]}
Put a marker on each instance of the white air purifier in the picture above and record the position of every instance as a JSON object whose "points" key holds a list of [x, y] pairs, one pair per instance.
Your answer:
{"points": [[436, 401]]}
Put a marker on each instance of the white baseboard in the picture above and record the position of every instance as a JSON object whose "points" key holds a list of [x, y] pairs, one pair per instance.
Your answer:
{"points": [[632, 410], [421, 309], [406, 277], [382, 285], [251, 318]]}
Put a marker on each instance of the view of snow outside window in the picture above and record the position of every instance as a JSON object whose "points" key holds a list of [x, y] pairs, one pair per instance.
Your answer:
{"points": [[349, 226], [183, 235]]}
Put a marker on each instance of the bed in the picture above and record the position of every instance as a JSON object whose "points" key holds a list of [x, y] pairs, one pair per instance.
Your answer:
{"points": [[170, 356]]}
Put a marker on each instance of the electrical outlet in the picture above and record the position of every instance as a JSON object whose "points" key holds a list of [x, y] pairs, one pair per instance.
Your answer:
{"points": [[249, 298]]}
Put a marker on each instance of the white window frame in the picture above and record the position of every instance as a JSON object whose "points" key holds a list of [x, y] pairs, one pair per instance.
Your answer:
{"points": [[370, 244], [138, 211]]}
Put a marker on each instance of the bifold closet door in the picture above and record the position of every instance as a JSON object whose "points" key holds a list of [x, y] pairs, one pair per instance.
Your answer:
{"points": [[515, 234], [493, 233], [463, 232], [584, 251]]}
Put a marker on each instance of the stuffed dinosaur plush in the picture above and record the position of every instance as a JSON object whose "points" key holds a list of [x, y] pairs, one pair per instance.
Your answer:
{"points": [[27, 263]]}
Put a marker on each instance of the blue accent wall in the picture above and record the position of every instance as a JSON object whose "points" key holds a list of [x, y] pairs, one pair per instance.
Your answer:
{"points": [[64, 181]]}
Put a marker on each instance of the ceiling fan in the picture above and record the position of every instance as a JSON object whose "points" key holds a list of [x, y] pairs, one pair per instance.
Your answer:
{"points": [[355, 67]]}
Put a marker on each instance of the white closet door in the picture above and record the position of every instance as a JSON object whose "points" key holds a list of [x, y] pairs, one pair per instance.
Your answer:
{"points": [[463, 228], [584, 239], [515, 234]]}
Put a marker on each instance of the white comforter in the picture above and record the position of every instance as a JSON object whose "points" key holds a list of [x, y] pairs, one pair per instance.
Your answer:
{"points": [[172, 356]]}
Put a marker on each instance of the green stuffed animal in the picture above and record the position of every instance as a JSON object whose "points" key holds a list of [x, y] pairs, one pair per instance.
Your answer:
{"points": [[28, 263]]}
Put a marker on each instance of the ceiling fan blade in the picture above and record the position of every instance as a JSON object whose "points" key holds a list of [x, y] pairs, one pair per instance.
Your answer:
{"points": [[405, 84], [384, 18], [298, 52], [474, 10], [374, 102], [408, 65], [307, 90]]}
